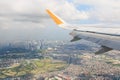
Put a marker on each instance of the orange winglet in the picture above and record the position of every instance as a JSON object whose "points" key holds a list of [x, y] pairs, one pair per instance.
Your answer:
{"points": [[54, 17]]}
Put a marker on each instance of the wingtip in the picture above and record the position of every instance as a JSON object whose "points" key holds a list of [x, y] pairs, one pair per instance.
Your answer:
{"points": [[56, 19], [47, 10]]}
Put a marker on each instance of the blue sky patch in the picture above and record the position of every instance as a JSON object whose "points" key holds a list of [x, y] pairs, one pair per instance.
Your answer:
{"points": [[84, 7], [70, 0]]}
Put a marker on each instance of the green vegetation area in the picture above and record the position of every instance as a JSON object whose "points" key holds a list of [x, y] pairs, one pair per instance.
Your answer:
{"points": [[35, 66], [116, 65], [109, 60], [113, 62]]}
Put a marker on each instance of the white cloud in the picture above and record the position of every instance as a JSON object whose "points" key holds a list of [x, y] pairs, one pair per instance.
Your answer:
{"points": [[106, 11], [34, 11], [29, 15]]}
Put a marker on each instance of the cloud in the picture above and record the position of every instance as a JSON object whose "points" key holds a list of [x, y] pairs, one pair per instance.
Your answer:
{"points": [[21, 10], [22, 17], [27, 16], [34, 11], [105, 11]]}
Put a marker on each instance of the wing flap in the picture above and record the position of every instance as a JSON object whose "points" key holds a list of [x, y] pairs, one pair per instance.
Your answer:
{"points": [[109, 41], [75, 39], [103, 50]]}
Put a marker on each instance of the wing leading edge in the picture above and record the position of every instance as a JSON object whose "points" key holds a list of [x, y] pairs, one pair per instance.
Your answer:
{"points": [[108, 41]]}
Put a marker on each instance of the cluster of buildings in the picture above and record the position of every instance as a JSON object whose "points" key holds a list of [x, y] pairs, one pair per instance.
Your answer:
{"points": [[81, 64], [23, 46], [6, 63]]}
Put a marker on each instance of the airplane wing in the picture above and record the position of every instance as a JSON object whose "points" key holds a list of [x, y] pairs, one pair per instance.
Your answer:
{"points": [[108, 37]]}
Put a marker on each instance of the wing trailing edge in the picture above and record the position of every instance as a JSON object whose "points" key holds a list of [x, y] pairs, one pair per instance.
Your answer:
{"points": [[75, 39], [103, 50]]}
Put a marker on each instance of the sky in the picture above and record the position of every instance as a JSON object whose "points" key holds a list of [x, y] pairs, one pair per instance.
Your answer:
{"points": [[28, 20]]}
